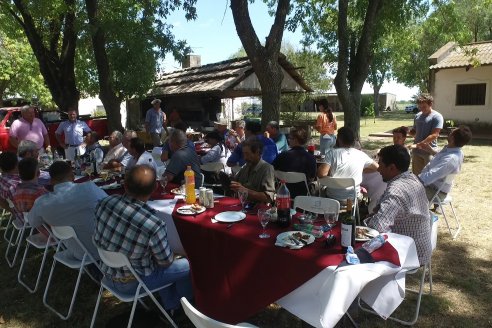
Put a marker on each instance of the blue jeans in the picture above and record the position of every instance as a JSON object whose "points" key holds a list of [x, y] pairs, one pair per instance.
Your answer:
{"points": [[326, 143], [177, 273]]}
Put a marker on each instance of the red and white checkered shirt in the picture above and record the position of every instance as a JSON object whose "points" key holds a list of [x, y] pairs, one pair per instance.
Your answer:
{"points": [[25, 195]]}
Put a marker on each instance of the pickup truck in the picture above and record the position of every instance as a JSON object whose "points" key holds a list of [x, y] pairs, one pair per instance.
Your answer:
{"points": [[51, 120]]}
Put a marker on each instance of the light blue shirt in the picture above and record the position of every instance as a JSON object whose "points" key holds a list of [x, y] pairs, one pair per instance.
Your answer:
{"points": [[281, 142], [155, 120], [73, 131], [447, 161], [70, 204]]}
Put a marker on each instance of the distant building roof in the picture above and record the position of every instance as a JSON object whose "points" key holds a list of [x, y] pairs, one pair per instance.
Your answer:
{"points": [[226, 79], [453, 55]]}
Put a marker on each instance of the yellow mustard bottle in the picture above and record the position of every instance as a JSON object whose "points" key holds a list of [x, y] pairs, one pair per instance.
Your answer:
{"points": [[190, 195]]}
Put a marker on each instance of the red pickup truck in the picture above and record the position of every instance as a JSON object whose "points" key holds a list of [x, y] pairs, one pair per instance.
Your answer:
{"points": [[50, 118]]}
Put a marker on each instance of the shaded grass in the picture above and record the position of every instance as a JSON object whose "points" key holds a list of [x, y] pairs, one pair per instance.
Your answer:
{"points": [[462, 269]]}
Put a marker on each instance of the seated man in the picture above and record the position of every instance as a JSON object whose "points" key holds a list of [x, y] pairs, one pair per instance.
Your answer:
{"points": [[345, 161], [297, 159], [257, 176], [400, 135], [166, 150], [235, 136], [93, 149], [29, 189], [70, 204], [445, 162], [116, 150], [29, 149], [182, 157], [139, 155], [126, 224], [273, 132], [270, 150], [403, 208], [9, 181], [121, 163]]}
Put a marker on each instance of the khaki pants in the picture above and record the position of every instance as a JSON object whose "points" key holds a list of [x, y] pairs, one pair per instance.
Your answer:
{"points": [[419, 161]]}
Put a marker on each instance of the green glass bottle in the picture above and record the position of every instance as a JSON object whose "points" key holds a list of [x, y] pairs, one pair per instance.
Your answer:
{"points": [[347, 227]]}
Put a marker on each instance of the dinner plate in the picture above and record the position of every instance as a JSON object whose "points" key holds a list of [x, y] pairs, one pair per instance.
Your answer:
{"points": [[368, 233], [283, 239], [113, 185], [98, 180], [230, 216], [188, 210]]}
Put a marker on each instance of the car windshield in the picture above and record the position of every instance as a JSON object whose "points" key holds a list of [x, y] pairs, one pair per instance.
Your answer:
{"points": [[3, 113]]}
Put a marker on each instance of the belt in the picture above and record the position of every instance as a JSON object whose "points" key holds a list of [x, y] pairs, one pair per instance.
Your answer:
{"points": [[123, 280], [72, 145]]}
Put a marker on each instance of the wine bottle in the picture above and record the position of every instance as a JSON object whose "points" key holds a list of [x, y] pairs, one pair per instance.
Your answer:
{"points": [[347, 227]]}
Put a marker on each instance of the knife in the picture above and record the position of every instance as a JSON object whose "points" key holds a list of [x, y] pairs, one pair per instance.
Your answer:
{"points": [[294, 240]]}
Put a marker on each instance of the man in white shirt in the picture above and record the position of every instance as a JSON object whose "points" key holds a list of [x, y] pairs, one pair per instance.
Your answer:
{"points": [[139, 155], [116, 150], [70, 204], [345, 161], [73, 131], [445, 162]]}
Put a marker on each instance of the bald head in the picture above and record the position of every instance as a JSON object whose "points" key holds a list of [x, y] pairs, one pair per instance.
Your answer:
{"points": [[140, 181]]}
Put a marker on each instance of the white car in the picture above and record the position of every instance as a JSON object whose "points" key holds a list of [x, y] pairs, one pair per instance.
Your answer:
{"points": [[411, 109]]}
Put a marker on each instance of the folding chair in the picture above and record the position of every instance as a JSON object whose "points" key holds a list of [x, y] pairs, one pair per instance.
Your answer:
{"points": [[448, 200], [426, 267], [119, 260], [292, 177], [20, 226], [39, 241], [342, 183], [202, 321], [213, 167], [65, 257], [318, 205]]}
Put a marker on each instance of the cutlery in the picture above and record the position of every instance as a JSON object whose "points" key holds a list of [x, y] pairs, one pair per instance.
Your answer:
{"points": [[301, 240], [294, 240]]}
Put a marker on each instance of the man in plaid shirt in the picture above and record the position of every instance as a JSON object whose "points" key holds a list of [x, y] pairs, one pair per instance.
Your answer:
{"points": [[28, 190], [8, 180], [403, 208], [126, 224]]}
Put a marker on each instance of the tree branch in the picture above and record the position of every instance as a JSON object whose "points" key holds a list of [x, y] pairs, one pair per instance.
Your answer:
{"points": [[274, 38]]}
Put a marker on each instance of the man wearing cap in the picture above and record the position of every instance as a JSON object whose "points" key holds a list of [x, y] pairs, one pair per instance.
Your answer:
{"points": [[221, 127], [73, 131], [155, 120]]}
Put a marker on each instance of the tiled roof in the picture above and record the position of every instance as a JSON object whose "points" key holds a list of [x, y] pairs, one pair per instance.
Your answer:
{"points": [[473, 54]]}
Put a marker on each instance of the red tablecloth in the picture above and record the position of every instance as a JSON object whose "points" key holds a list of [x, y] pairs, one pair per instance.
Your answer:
{"points": [[236, 274]]}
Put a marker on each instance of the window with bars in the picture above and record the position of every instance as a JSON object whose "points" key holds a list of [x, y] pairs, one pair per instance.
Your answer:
{"points": [[470, 94]]}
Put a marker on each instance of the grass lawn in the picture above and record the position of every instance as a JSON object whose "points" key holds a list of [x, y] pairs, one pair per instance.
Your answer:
{"points": [[462, 268]]}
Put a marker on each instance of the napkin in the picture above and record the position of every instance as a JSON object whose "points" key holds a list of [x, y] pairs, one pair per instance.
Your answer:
{"points": [[285, 242]]}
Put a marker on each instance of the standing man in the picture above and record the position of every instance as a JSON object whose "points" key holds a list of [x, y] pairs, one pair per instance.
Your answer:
{"points": [[155, 122], [426, 127], [127, 224], [28, 127], [403, 208], [73, 131]]}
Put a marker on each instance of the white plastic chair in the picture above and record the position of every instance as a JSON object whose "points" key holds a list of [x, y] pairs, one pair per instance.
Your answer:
{"points": [[119, 260], [448, 200], [292, 177], [427, 267], [318, 205], [202, 321], [39, 241], [342, 183], [20, 227], [65, 257]]}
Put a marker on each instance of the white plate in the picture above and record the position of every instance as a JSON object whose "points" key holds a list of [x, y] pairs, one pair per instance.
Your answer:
{"points": [[284, 240], [230, 216], [97, 180], [113, 185], [369, 233], [188, 210]]}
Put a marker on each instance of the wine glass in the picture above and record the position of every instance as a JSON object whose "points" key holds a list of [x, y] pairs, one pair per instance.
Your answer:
{"points": [[264, 217], [242, 194], [331, 219], [163, 183]]}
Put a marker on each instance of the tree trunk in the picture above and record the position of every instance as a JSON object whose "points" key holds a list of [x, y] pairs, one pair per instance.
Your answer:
{"points": [[107, 94], [376, 89], [58, 70], [264, 59]]}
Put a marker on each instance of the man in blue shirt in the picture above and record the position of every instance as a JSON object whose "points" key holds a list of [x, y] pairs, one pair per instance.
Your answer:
{"points": [[73, 131], [445, 162], [252, 129], [155, 120], [273, 132], [426, 127]]}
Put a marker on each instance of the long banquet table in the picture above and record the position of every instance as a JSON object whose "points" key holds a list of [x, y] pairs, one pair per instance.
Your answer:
{"points": [[236, 274]]}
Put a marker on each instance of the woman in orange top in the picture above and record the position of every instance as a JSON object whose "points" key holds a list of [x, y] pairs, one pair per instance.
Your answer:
{"points": [[326, 125]]}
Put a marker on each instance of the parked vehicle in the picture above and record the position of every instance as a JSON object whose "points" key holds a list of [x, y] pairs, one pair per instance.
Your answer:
{"points": [[412, 109], [51, 120]]}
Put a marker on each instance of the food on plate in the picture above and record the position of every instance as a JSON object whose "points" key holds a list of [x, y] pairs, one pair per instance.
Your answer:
{"points": [[360, 233], [196, 207], [300, 235]]}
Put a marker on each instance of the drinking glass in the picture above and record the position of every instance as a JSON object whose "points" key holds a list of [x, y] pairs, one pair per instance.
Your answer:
{"points": [[163, 183], [242, 194], [331, 219], [264, 217]]}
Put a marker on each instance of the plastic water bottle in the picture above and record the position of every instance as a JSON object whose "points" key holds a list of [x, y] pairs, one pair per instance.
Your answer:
{"points": [[190, 195], [283, 205]]}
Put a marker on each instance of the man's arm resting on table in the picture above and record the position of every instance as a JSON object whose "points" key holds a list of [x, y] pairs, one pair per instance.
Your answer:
{"points": [[384, 218]]}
